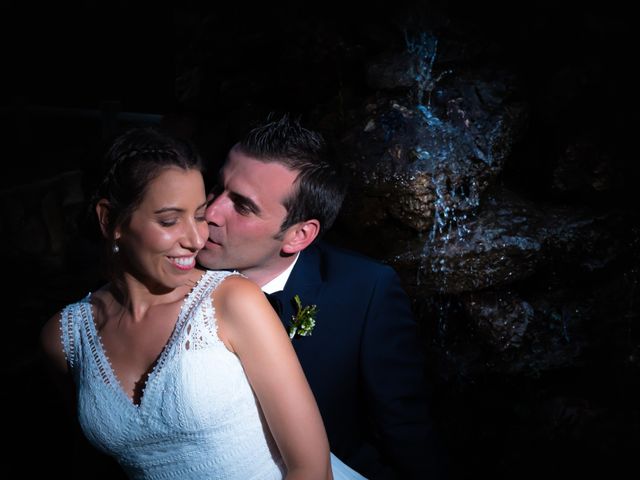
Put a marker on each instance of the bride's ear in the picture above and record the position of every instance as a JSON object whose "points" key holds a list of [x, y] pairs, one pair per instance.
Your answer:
{"points": [[102, 211], [299, 236]]}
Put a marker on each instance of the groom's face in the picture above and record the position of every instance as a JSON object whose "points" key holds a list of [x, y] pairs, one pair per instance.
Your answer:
{"points": [[245, 214]]}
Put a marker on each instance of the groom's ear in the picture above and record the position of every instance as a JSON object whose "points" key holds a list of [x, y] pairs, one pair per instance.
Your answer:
{"points": [[299, 236]]}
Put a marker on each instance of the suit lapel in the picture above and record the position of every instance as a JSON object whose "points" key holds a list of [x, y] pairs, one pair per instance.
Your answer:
{"points": [[305, 281]]}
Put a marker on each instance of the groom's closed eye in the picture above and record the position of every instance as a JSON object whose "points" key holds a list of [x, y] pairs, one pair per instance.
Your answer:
{"points": [[244, 205]]}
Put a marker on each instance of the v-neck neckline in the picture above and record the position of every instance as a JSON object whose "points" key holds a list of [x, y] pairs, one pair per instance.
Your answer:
{"points": [[104, 363]]}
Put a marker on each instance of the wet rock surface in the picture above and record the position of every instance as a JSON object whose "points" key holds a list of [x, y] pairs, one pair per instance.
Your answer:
{"points": [[490, 161]]}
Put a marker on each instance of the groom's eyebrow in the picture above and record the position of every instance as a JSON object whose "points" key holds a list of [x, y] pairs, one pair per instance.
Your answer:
{"points": [[237, 198], [244, 202]]}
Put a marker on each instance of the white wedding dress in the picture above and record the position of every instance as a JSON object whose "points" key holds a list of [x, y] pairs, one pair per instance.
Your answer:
{"points": [[198, 417]]}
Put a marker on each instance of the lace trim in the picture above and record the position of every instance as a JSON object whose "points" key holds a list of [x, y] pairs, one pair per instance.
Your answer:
{"points": [[105, 367], [200, 292], [186, 310], [203, 327], [97, 348], [67, 336]]}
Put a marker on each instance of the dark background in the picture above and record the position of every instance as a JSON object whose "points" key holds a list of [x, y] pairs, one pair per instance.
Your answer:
{"points": [[79, 63], [229, 64]]}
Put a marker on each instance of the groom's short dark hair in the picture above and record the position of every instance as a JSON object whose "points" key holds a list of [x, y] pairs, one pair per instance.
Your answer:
{"points": [[320, 186]]}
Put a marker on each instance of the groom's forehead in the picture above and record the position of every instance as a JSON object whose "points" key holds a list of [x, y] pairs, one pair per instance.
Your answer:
{"points": [[262, 185]]}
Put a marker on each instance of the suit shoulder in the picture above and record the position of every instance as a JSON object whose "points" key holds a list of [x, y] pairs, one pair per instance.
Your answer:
{"points": [[350, 262]]}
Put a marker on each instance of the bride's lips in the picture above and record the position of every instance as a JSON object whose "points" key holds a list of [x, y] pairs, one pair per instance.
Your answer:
{"points": [[183, 263]]}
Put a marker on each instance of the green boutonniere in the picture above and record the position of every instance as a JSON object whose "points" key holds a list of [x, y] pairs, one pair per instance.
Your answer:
{"points": [[303, 321]]}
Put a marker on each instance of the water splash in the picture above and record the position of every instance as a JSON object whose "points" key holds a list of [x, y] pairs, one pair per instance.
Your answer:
{"points": [[424, 48], [454, 206], [456, 192], [429, 117], [452, 209]]}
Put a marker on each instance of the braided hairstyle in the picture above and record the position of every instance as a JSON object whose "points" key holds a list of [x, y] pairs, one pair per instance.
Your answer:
{"points": [[131, 163]]}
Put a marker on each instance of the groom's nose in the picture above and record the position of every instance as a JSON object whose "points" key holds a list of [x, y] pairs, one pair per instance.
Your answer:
{"points": [[215, 210]]}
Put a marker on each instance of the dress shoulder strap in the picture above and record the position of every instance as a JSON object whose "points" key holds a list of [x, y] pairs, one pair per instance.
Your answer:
{"points": [[200, 317], [70, 319], [213, 279]]}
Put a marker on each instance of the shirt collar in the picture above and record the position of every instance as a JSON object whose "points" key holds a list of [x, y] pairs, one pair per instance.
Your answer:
{"points": [[280, 281]]}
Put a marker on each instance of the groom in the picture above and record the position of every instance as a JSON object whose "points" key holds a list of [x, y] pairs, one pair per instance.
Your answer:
{"points": [[277, 194]]}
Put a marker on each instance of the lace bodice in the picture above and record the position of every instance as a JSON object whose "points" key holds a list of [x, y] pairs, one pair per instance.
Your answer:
{"points": [[197, 418]]}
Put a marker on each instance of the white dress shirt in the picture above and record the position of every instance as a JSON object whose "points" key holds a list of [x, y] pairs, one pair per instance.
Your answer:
{"points": [[279, 282]]}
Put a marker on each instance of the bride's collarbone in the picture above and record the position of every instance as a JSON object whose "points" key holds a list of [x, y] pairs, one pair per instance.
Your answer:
{"points": [[135, 346]]}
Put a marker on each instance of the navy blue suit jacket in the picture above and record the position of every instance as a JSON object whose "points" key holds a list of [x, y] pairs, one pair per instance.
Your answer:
{"points": [[364, 363]]}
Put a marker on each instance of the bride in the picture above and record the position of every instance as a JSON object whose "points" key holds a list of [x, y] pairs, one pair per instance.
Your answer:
{"points": [[179, 372]]}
